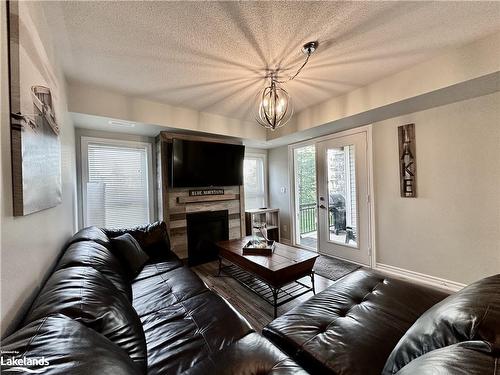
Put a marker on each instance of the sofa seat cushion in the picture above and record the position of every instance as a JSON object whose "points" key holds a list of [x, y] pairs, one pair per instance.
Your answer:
{"points": [[152, 238], [473, 313], [91, 234], [466, 358], [69, 348], [183, 334], [352, 326], [252, 354], [84, 294], [155, 269], [91, 254], [160, 291]]}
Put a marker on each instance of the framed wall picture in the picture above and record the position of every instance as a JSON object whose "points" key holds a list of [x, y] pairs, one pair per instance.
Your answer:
{"points": [[36, 149]]}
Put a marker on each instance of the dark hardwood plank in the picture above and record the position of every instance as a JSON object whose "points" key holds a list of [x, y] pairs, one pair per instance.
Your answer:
{"points": [[257, 311]]}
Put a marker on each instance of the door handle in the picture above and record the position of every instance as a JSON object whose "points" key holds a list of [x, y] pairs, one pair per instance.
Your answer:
{"points": [[321, 206]]}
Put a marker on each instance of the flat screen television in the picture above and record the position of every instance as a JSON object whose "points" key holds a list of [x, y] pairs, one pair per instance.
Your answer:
{"points": [[205, 164]]}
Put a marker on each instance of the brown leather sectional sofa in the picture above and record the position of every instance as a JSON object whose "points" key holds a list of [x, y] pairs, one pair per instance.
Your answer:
{"points": [[89, 319], [352, 327], [367, 323]]}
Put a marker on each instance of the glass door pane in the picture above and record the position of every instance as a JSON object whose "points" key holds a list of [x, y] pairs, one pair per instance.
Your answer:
{"points": [[342, 207], [306, 223], [343, 216]]}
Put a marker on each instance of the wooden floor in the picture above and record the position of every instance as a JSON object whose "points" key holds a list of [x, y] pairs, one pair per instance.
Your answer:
{"points": [[309, 241], [257, 311]]}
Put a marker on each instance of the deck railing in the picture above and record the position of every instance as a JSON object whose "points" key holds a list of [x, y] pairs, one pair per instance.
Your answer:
{"points": [[308, 218]]}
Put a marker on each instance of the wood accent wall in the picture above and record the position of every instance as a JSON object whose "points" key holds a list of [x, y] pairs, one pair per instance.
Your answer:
{"points": [[174, 205]]}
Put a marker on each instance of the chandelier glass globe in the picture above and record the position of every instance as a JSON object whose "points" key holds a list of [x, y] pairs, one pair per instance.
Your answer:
{"points": [[274, 106]]}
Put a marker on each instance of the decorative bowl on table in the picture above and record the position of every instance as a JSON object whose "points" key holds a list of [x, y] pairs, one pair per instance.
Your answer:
{"points": [[253, 247]]}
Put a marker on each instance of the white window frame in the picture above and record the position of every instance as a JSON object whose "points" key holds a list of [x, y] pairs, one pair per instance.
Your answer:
{"points": [[263, 157], [85, 141]]}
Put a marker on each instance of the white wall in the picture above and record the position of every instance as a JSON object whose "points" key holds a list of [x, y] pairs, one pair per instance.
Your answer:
{"points": [[465, 63], [30, 244], [278, 179], [100, 102], [452, 230]]}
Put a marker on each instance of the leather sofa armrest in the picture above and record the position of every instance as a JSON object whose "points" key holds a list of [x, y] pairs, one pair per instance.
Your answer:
{"points": [[252, 354]]}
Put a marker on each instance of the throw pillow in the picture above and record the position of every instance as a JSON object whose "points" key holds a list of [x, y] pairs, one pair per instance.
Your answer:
{"points": [[129, 252]]}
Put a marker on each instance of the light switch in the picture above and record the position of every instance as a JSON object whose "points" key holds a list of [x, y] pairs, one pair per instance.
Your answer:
{"points": [[283, 190]]}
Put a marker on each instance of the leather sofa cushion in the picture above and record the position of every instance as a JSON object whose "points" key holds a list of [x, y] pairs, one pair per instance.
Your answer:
{"points": [[160, 291], [89, 253], [155, 269], [183, 334], [129, 252], [69, 347], [91, 234], [152, 238], [473, 313], [466, 358], [352, 326], [252, 354], [84, 294]]}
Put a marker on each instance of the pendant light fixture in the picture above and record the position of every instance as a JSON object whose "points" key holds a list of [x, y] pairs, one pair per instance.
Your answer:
{"points": [[274, 105]]}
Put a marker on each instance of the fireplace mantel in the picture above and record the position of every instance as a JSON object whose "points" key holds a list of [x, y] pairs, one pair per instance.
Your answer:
{"points": [[206, 198]]}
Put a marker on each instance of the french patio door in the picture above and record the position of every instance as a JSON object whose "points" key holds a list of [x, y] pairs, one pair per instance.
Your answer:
{"points": [[343, 198]]}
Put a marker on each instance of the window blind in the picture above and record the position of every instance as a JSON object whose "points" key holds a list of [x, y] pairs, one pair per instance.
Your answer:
{"points": [[117, 186], [253, 176]]}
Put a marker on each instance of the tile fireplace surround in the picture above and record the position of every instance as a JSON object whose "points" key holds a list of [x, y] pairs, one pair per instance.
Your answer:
{"points": [[177, 215]]}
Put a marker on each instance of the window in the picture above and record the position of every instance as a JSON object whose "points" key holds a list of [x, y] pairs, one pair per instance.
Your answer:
{"points": [[254, 172], [116, 186]]}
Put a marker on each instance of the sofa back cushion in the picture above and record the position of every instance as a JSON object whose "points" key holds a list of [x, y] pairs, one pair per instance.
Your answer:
{"points": [[465, 358], [67, 347], [473, 313], [84, 294], [91, 234], [152, 238], [92, 254]]}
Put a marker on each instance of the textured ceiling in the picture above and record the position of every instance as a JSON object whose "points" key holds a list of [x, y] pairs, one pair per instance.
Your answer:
{"points": [[212, 56]]}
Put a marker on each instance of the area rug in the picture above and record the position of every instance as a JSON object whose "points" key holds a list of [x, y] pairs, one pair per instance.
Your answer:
{"points": [[333, 268]]}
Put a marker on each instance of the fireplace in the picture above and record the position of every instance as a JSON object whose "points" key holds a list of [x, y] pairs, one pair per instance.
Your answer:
{"points": [[203, 230]]}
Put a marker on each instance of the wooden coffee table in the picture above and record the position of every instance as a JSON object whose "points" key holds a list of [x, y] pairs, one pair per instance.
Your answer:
{"points": [[275, 278]]}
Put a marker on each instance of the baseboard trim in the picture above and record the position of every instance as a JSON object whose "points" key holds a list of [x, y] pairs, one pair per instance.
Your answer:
{"points": [[344, 259], [286, 241], [420, 278]]}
